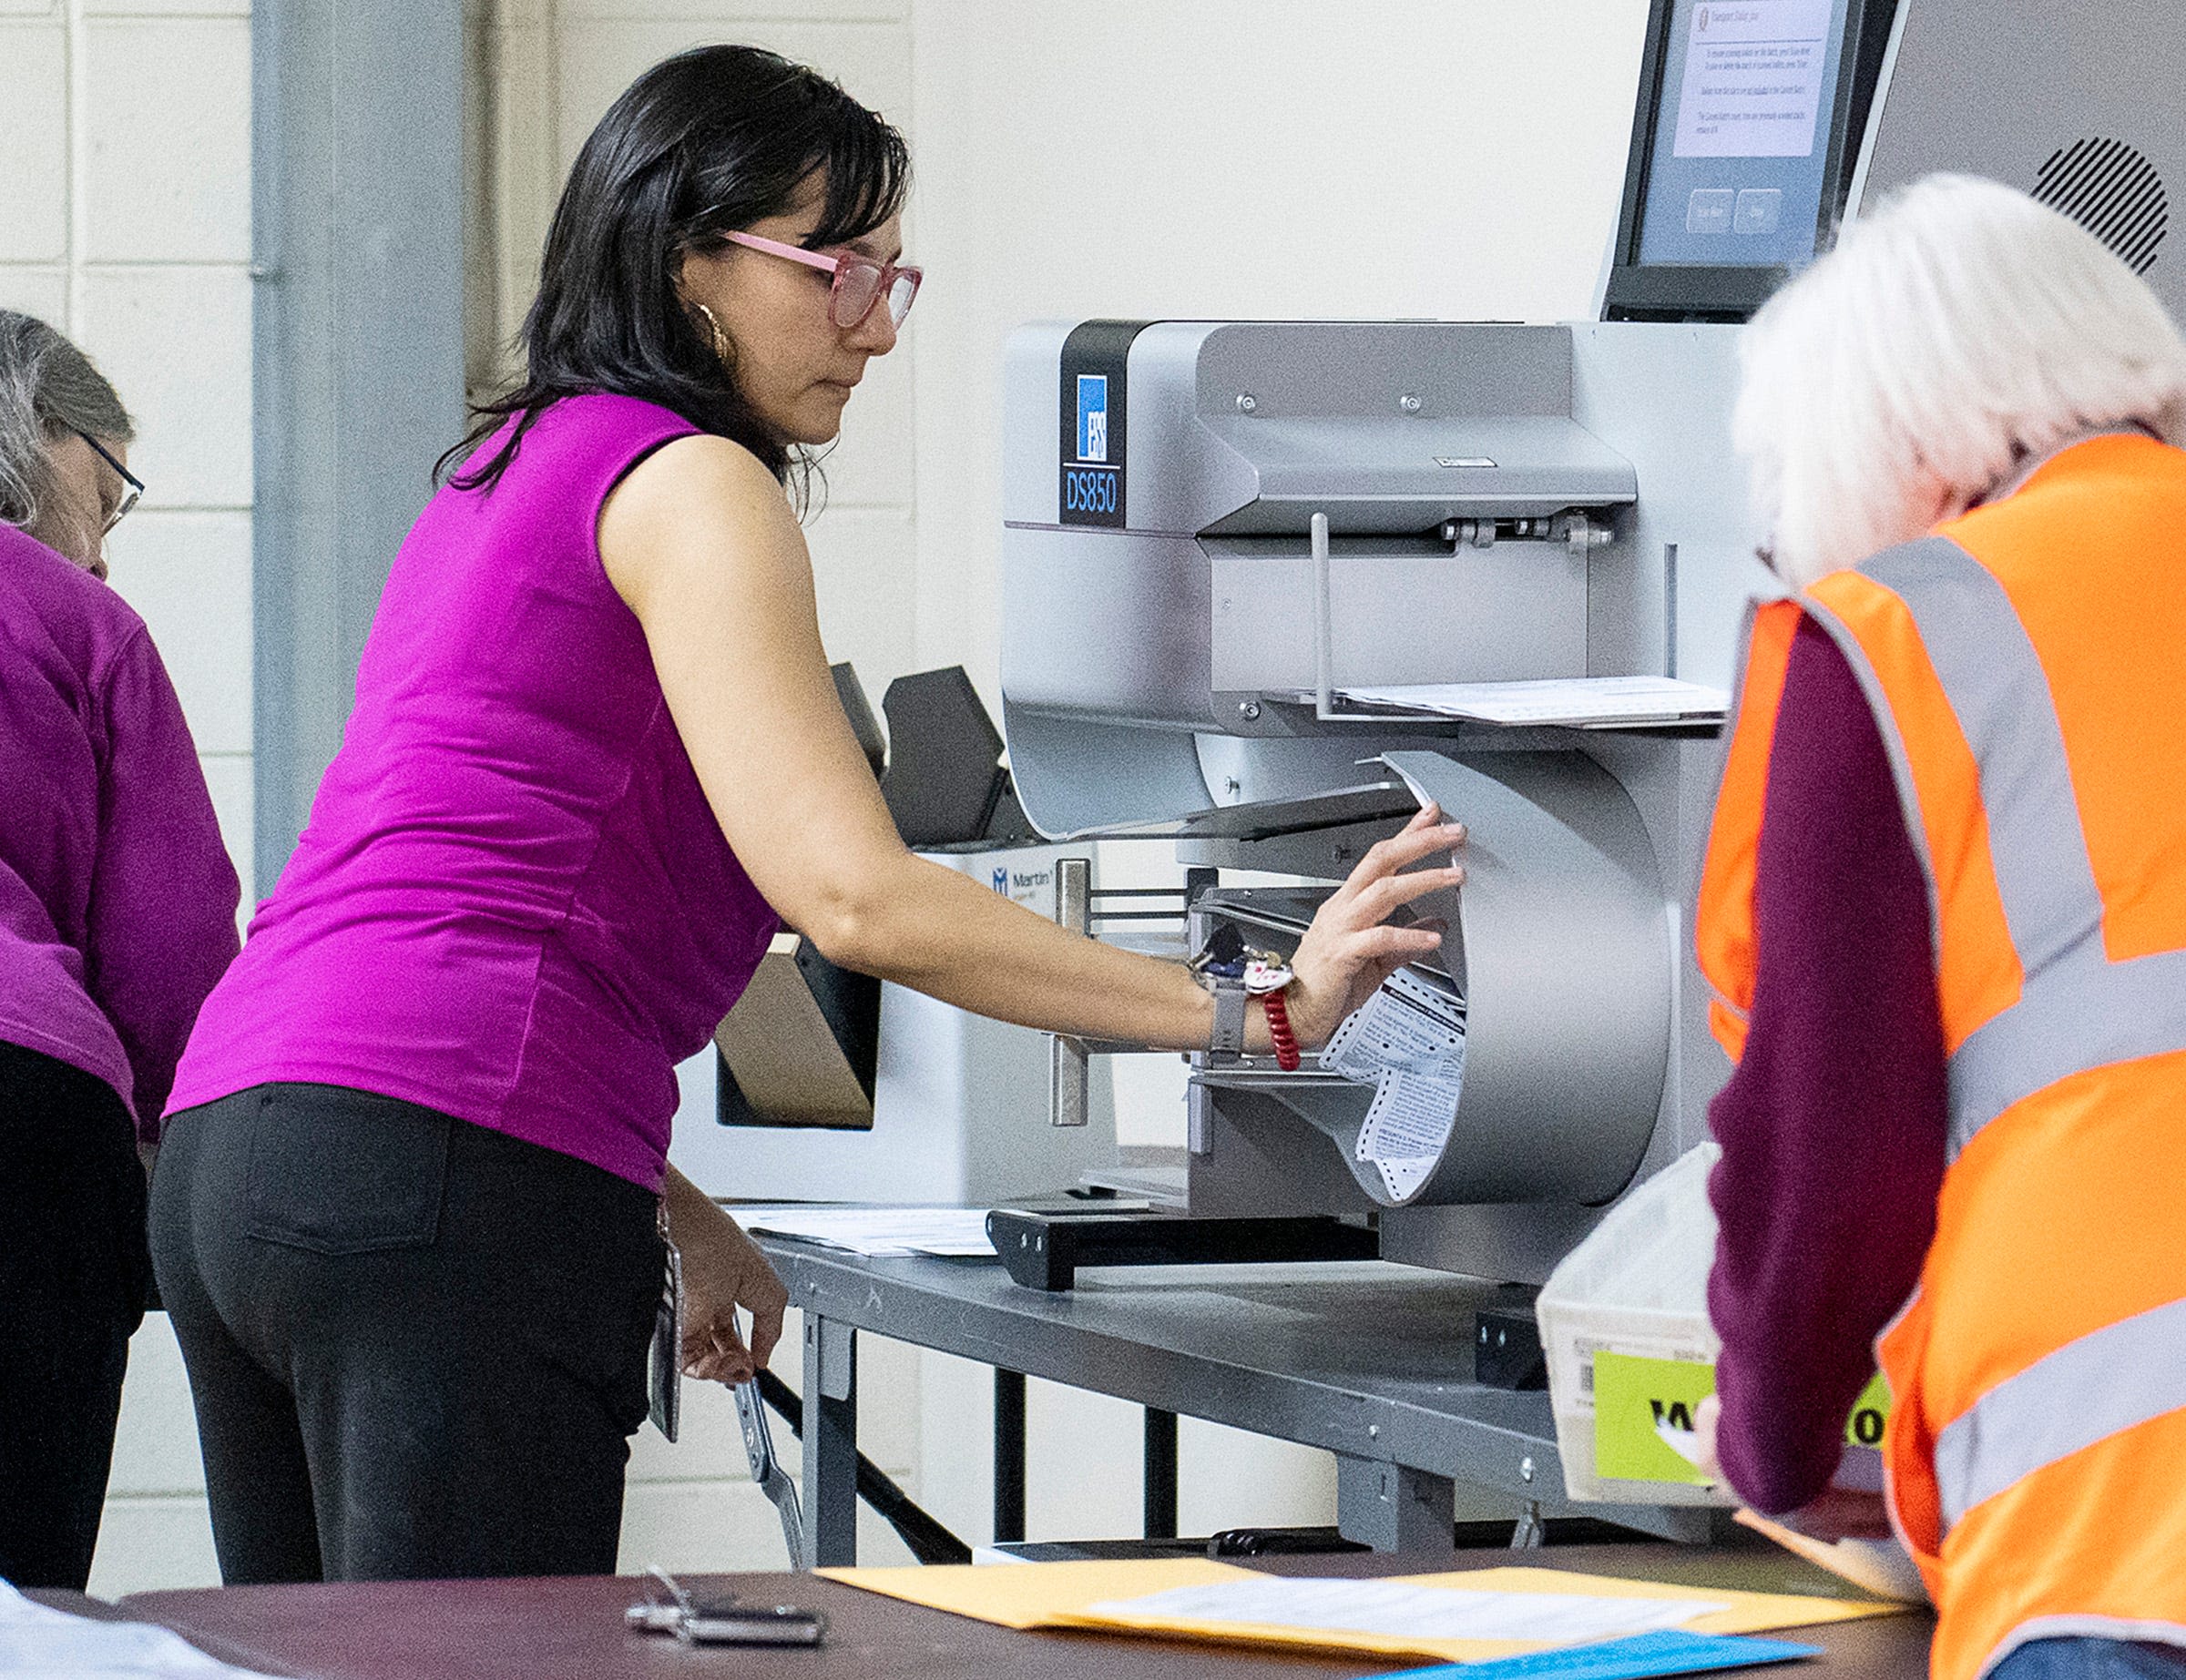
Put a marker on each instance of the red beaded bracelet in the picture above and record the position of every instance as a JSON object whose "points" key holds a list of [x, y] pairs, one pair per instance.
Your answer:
{"points": [[1279, 1031]]}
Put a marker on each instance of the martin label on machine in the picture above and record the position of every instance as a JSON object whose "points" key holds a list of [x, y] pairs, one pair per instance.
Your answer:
{"points": [[1032, 888], [1408, 1042]]}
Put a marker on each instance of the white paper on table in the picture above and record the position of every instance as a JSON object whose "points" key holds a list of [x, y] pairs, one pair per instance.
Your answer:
{"points": [[36, 1639], [877, 1233], [1574, 700], [1404, 1611]]}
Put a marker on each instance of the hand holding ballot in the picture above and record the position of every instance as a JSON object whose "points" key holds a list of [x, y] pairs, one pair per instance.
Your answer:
{"points": [[1351, 949], [1840, 1512]]}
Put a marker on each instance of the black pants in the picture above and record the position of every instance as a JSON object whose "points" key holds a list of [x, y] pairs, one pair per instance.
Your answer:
{"points": [[73, 1276], [417, 1348]]}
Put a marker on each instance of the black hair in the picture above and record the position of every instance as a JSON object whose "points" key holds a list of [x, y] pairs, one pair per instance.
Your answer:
{"points": [[702, 145]]}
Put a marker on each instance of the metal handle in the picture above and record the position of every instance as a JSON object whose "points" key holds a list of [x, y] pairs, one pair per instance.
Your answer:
{"points": [[1325, 645], [1324, 638], [1068, 1065], [1670, 609]]}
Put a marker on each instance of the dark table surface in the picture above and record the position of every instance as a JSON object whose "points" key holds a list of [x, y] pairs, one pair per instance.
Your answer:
{"points": [[569, 1628], [75, 1603]]}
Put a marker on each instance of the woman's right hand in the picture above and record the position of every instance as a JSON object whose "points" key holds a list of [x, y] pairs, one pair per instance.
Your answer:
{"points": [[1351, 949]]}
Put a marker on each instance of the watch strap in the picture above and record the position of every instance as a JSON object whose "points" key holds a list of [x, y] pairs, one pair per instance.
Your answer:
{"points": [[1229, 1017]]}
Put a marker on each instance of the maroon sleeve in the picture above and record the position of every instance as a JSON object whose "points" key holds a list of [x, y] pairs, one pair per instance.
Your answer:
{"points": [[1832, 1129], [161, 923]]}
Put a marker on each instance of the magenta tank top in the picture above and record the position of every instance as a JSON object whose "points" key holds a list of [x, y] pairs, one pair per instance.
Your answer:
{"points": [[512, 904]]}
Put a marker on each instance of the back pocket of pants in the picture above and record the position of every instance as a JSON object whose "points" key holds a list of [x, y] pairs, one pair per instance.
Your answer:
{"points": [[344, 1172]]}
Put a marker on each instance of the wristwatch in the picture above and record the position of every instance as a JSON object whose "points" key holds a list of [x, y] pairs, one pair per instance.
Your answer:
{"points": [[1234, 972]]}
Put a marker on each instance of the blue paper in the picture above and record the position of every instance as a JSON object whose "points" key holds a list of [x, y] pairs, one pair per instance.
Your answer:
{"points": [[1640, 1657]]}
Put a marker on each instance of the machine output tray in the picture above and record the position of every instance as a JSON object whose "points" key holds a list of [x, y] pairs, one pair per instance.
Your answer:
{"points": [[1042, 1248]]}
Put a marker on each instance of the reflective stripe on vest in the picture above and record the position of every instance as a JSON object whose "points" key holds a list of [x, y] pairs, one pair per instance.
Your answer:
{"points": [[1723, 926], [2110, 1380], [2079, 1010]]}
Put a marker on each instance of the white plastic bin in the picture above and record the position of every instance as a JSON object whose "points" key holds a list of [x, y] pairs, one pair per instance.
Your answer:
{"points": [[1639, 1285]]}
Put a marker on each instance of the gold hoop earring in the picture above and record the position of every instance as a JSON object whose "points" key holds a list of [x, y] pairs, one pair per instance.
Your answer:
{"points": [[720, 340]]}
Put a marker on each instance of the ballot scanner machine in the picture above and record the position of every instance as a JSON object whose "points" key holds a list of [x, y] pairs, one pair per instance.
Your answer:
{"points": [[1255, 572], [1317, 526], [1270, 584]]}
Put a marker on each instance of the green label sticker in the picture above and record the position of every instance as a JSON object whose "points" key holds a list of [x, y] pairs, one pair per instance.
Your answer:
{"points": [[1869, 1413], [1632, 1395]]}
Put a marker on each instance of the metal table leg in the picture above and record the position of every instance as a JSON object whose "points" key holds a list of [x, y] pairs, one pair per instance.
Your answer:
{"points": [[1161, 1485], [831, 1442], [1009, 1455], [1393, 1509]]}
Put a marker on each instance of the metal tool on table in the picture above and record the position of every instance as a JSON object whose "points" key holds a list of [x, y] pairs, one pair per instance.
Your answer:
{"points": [[767, 1471], [720, 1618]]}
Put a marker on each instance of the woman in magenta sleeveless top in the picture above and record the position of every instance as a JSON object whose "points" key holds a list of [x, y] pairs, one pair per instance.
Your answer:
{"points": [[408, 1216]]}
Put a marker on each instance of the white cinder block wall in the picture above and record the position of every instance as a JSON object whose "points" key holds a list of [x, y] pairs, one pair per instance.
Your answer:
{"points": [[1147, 158], [125, 220]]}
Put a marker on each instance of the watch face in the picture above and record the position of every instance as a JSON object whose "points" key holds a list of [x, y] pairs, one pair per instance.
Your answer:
{"points": [[1225, 949]]}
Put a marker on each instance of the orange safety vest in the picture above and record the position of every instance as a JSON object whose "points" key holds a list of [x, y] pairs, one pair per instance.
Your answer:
{"points": [[2027, 665]]}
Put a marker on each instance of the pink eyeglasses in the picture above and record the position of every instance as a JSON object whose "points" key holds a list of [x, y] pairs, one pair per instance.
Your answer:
{"points": [[860, 283]]}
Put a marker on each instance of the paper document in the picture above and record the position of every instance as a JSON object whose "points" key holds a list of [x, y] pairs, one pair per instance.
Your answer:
{"points": [[1404, 1610], [1882, 1567], [1151, 1595], [1583, 701], [36, 1639], [1407, 1041], [877, 1233]]}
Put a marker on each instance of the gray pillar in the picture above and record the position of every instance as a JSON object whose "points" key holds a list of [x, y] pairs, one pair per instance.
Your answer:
{"points": [[357, 208]]}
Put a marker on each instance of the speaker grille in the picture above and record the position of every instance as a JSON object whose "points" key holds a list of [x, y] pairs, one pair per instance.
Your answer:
{"points": [[2113, 191]]}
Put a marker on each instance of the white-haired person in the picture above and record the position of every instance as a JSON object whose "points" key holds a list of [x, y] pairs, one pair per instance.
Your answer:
{"points": [[1944, 914], [116, 916]]}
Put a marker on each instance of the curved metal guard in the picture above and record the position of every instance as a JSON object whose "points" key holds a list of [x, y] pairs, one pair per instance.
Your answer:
{"points": [[1561, 942]]}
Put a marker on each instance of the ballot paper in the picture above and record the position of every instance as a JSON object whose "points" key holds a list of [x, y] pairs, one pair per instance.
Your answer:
{"points": [[1404, 1610], [1407, 1041], [1882, 1567], [1581, 701], [877, 1233], [36, 1639]]}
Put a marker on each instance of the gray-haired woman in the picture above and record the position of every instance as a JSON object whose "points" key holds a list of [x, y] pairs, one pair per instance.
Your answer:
{"points": [[64, 444], [117, 915]]}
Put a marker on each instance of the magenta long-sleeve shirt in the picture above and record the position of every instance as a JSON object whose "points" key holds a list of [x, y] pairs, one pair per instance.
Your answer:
{"points": [[116, 898], [1832, 1129]]}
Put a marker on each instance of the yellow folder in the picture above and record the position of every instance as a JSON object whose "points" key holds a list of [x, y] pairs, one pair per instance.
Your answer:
{"points": [[1059, 1595]]}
